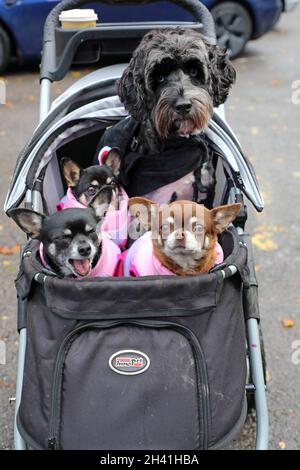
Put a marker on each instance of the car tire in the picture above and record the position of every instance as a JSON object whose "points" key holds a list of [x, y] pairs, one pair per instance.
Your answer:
{"points": [[233, 26], [5, 49]]}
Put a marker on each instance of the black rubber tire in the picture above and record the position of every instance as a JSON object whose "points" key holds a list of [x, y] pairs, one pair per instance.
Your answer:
{"points": [[5, 49], [234, 26]]}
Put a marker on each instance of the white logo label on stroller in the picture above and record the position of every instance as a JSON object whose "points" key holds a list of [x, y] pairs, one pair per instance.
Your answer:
{"points": [[129, 362]]}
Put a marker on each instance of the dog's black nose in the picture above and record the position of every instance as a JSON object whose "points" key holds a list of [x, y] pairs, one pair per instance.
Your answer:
{"points": [[183, 106], [84, 250]]}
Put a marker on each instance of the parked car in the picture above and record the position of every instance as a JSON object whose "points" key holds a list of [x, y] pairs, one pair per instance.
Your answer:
{"points": [[21, 22]]}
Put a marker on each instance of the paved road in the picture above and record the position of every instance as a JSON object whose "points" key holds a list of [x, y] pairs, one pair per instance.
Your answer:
{"points": [[261, 112]]}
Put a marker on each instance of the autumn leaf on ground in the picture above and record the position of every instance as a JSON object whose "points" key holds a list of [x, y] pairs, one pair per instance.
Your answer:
{"points": [[31, 98], [264, 241], [255, 130], [9, 105], [6, 250], [282, 445], [287, 323], [276, 83], [76, 74]]}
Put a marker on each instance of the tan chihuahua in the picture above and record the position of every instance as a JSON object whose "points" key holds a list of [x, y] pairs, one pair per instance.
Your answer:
{"points": [[183, 238]]}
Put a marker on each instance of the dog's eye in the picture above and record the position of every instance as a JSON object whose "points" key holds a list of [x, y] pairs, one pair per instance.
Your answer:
{"points": [[160, 78], [91, 191], [198, 228], [193, 72]]}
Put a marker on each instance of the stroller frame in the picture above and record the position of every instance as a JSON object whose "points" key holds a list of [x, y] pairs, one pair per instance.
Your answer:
{"points": [[50, 73]]}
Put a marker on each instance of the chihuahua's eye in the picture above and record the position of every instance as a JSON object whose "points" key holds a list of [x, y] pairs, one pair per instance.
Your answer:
{"points": [[91, 191], [198, 228]]}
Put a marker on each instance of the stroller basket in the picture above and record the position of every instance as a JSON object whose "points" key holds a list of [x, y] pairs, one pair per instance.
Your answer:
{"points": [[186, 334]]}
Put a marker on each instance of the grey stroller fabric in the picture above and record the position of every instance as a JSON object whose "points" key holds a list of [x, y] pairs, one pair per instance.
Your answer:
{"points": [[188, 330], [90, 101]]}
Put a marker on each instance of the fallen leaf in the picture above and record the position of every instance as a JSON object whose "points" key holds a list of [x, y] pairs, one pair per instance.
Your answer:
{"points": [[263, 241], [5, 250], [268, 376], [296, 174], [276, 83], [257, 268], [270, 228], [255, 130], [76, 74], [266, 197], [31, 98], [282, 445], [4, 317], [7, 263], [287, 323], [9, 105]]}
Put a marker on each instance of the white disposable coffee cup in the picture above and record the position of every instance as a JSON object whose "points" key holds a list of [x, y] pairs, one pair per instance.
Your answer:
{"points": [[79, 18]]}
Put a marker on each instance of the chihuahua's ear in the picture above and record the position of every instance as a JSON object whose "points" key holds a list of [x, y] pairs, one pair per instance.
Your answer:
{"points": [[101, 201], [223, 216], [71, 171], [144, 210], [113, 160], [29, 221]]}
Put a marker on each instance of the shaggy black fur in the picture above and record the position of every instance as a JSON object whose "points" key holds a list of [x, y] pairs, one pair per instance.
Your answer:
{"points": [[172, 83]]}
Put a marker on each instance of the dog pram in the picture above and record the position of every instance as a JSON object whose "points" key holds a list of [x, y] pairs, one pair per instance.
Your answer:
{"points": [[163, 362]]}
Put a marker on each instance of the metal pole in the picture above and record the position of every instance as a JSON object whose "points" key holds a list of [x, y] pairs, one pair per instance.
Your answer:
{"points": [[262, 419], [19, 441], [45, 98]]}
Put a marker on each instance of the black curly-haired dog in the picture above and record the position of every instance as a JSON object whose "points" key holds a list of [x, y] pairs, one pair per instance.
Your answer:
{"points": [[170, 87]]}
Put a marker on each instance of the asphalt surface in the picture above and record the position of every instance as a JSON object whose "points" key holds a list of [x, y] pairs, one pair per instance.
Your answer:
{"points": [[266, 121]]}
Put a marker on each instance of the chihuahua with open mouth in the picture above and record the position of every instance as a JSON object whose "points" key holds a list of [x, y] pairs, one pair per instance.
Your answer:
{"points": [[182, 238], [83, 184], [71, 243]]}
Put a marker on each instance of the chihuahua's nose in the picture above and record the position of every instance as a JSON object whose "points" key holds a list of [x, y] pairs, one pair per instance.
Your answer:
{"points": [[183, 106], [180, 235], [84, 249]]}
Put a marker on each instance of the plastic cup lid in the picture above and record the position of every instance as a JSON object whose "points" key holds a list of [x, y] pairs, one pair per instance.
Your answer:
{"points": [[78, 15]]}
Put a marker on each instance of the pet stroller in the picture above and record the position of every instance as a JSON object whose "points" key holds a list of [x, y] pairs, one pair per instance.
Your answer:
{"points": [[195, 341]]}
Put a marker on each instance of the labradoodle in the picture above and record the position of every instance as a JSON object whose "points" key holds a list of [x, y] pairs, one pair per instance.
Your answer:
{"points": [[170, 87]]}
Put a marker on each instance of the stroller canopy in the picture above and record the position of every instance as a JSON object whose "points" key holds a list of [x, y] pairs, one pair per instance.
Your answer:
{"points": [[91, 104]]}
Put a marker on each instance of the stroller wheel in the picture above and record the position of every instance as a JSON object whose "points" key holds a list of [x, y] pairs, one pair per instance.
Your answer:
{"points": [[250, 394], [5, 49], [233, 26]]}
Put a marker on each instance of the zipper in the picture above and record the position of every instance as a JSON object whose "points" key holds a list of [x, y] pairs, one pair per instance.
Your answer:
{"points": [[201, 373]]}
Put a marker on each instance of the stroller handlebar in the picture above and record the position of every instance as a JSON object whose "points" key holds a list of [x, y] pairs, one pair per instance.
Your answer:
{"points": [[195, 7], [56, 57]]}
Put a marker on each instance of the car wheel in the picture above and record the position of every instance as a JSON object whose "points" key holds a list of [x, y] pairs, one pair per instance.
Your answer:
{"points": [[233, 26], [5, 49]]}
